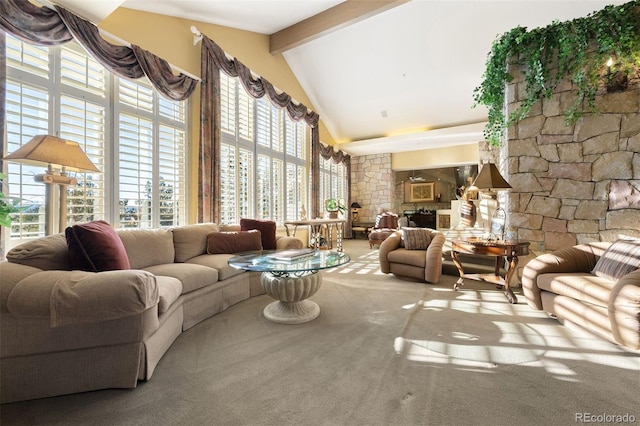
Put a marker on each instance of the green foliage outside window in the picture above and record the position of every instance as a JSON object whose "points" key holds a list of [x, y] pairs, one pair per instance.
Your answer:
{"points": [[8, 206]]}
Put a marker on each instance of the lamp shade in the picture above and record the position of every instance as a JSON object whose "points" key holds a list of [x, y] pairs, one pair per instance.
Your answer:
{"points": [[490, 179], [355, 205], [54, 151]]}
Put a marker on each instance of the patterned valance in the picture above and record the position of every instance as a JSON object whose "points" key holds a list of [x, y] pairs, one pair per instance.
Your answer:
{"points": [[44, 26], [213, 60]]}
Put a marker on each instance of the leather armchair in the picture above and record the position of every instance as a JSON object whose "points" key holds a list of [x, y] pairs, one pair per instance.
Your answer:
{"points": [[424, 265], [386, 224]]}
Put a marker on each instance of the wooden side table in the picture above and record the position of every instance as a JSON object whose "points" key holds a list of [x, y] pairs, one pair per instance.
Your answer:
{"points": [[478, 246], [364, 227]]}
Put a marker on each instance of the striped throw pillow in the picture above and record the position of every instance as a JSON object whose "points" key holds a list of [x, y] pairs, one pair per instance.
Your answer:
{"points": [[416, 238], [622, 257]]}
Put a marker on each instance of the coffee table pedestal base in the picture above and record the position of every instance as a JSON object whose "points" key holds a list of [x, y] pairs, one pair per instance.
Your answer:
{"points": [[291, 293]]}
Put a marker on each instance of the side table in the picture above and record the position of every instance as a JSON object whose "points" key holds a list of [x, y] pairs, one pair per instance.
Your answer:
{"points": [[500, 249], [364, 227]]}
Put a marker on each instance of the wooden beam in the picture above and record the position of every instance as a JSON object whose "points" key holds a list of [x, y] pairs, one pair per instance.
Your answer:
{"points": [[340, 16]]}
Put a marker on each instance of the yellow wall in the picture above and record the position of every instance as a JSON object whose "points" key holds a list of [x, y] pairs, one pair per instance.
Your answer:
{"points": [[171, 39], [436, 157]]}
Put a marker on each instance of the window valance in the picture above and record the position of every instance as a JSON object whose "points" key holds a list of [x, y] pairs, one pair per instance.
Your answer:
{"points": [[44, 26], [258, 86]]}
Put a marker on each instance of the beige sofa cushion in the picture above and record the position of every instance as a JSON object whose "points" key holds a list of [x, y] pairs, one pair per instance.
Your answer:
{"points": [[581, 286], [218, 261], [147, 247], [46, 253], [192, 277], [408, 257], [169, 290], [191, 240]]}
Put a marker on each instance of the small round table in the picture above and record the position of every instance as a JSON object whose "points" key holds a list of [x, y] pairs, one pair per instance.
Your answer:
{"points": [[290, 281]]}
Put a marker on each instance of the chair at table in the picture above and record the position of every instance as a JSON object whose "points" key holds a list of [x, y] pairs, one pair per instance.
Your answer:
{"points": [[386, 224]]}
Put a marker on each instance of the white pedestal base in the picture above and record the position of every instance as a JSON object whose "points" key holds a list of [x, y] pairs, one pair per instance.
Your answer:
{"points": [[291, 292]]}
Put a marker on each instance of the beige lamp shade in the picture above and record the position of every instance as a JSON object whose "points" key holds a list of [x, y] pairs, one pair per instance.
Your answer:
{"points": [[54, 151], [490, 179]]}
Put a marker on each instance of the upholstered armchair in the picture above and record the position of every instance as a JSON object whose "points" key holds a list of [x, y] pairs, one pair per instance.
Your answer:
{"points": [[414, 253], [386, 224]]}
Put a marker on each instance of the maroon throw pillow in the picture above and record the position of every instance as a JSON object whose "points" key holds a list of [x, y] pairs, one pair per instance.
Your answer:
{"points": [[267, 230], [233, 242], [95, 247]]}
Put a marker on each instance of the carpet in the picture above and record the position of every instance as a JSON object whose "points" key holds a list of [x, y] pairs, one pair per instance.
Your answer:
{"points": [[384, 351]]}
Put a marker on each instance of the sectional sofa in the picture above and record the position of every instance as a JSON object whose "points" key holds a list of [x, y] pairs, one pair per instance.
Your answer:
{"points": [[65, 331]]}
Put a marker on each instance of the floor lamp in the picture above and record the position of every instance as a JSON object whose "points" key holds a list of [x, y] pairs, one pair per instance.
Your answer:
{"points": [[488, 182], [59, 155]]}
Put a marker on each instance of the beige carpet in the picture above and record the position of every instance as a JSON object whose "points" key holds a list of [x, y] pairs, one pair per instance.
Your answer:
{"points": [[384, 351]]}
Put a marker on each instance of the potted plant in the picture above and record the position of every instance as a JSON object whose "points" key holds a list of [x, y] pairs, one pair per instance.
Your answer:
{"points": [[334, 207]]}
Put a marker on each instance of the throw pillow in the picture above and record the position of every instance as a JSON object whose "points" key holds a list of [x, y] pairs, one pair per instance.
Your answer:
{"points": [[96, 247], [267, 230], [416, 238], [233, 242], [622, 257]]}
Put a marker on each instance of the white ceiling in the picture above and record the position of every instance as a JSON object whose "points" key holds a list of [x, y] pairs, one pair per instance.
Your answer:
{"points": [[407, 70]]}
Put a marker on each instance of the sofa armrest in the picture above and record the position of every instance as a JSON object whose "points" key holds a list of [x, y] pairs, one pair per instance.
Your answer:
{"points": [[10, 275], [392, 242], [433, 267], [624, 310], [581, 258], [73, 297]]}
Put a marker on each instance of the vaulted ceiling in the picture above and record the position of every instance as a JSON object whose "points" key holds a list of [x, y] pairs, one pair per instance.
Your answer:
{"points": [[395, 79]]}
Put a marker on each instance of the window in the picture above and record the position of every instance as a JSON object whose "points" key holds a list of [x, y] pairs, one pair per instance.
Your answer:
{"points": [[133, 135], [263, 158], [333, 182]]}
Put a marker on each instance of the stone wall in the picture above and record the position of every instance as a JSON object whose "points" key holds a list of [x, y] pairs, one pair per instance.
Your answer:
{"points": [[573, 183], [372, 184]]}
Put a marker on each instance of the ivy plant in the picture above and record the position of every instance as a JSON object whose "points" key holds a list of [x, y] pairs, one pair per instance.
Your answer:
{"points": [[577, 50]]}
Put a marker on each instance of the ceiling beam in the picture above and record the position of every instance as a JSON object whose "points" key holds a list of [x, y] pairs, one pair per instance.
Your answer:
{"points": [[340, 16]]}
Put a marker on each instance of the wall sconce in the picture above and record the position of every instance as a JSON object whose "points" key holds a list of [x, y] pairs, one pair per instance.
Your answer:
{"points": [[355, 208], [615, 81], [59, 155]]}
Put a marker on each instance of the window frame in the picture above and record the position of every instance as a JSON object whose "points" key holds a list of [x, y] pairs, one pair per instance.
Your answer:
{"points": [[289, 146], [169, 118]]}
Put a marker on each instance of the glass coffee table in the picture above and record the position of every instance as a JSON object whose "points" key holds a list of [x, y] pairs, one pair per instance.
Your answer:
{"points": [[290, 281]]}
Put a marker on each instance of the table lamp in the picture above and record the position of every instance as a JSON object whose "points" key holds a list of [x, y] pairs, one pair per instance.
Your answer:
{"points": [[355, 208], [488, 182], [59, 155]]}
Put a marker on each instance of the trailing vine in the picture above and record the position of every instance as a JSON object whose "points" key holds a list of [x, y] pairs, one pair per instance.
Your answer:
{"points": [[578, 50]]}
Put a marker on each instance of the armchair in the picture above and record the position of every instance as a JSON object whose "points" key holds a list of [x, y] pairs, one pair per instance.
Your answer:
{"points": [[423, 264], [386, 224]]}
